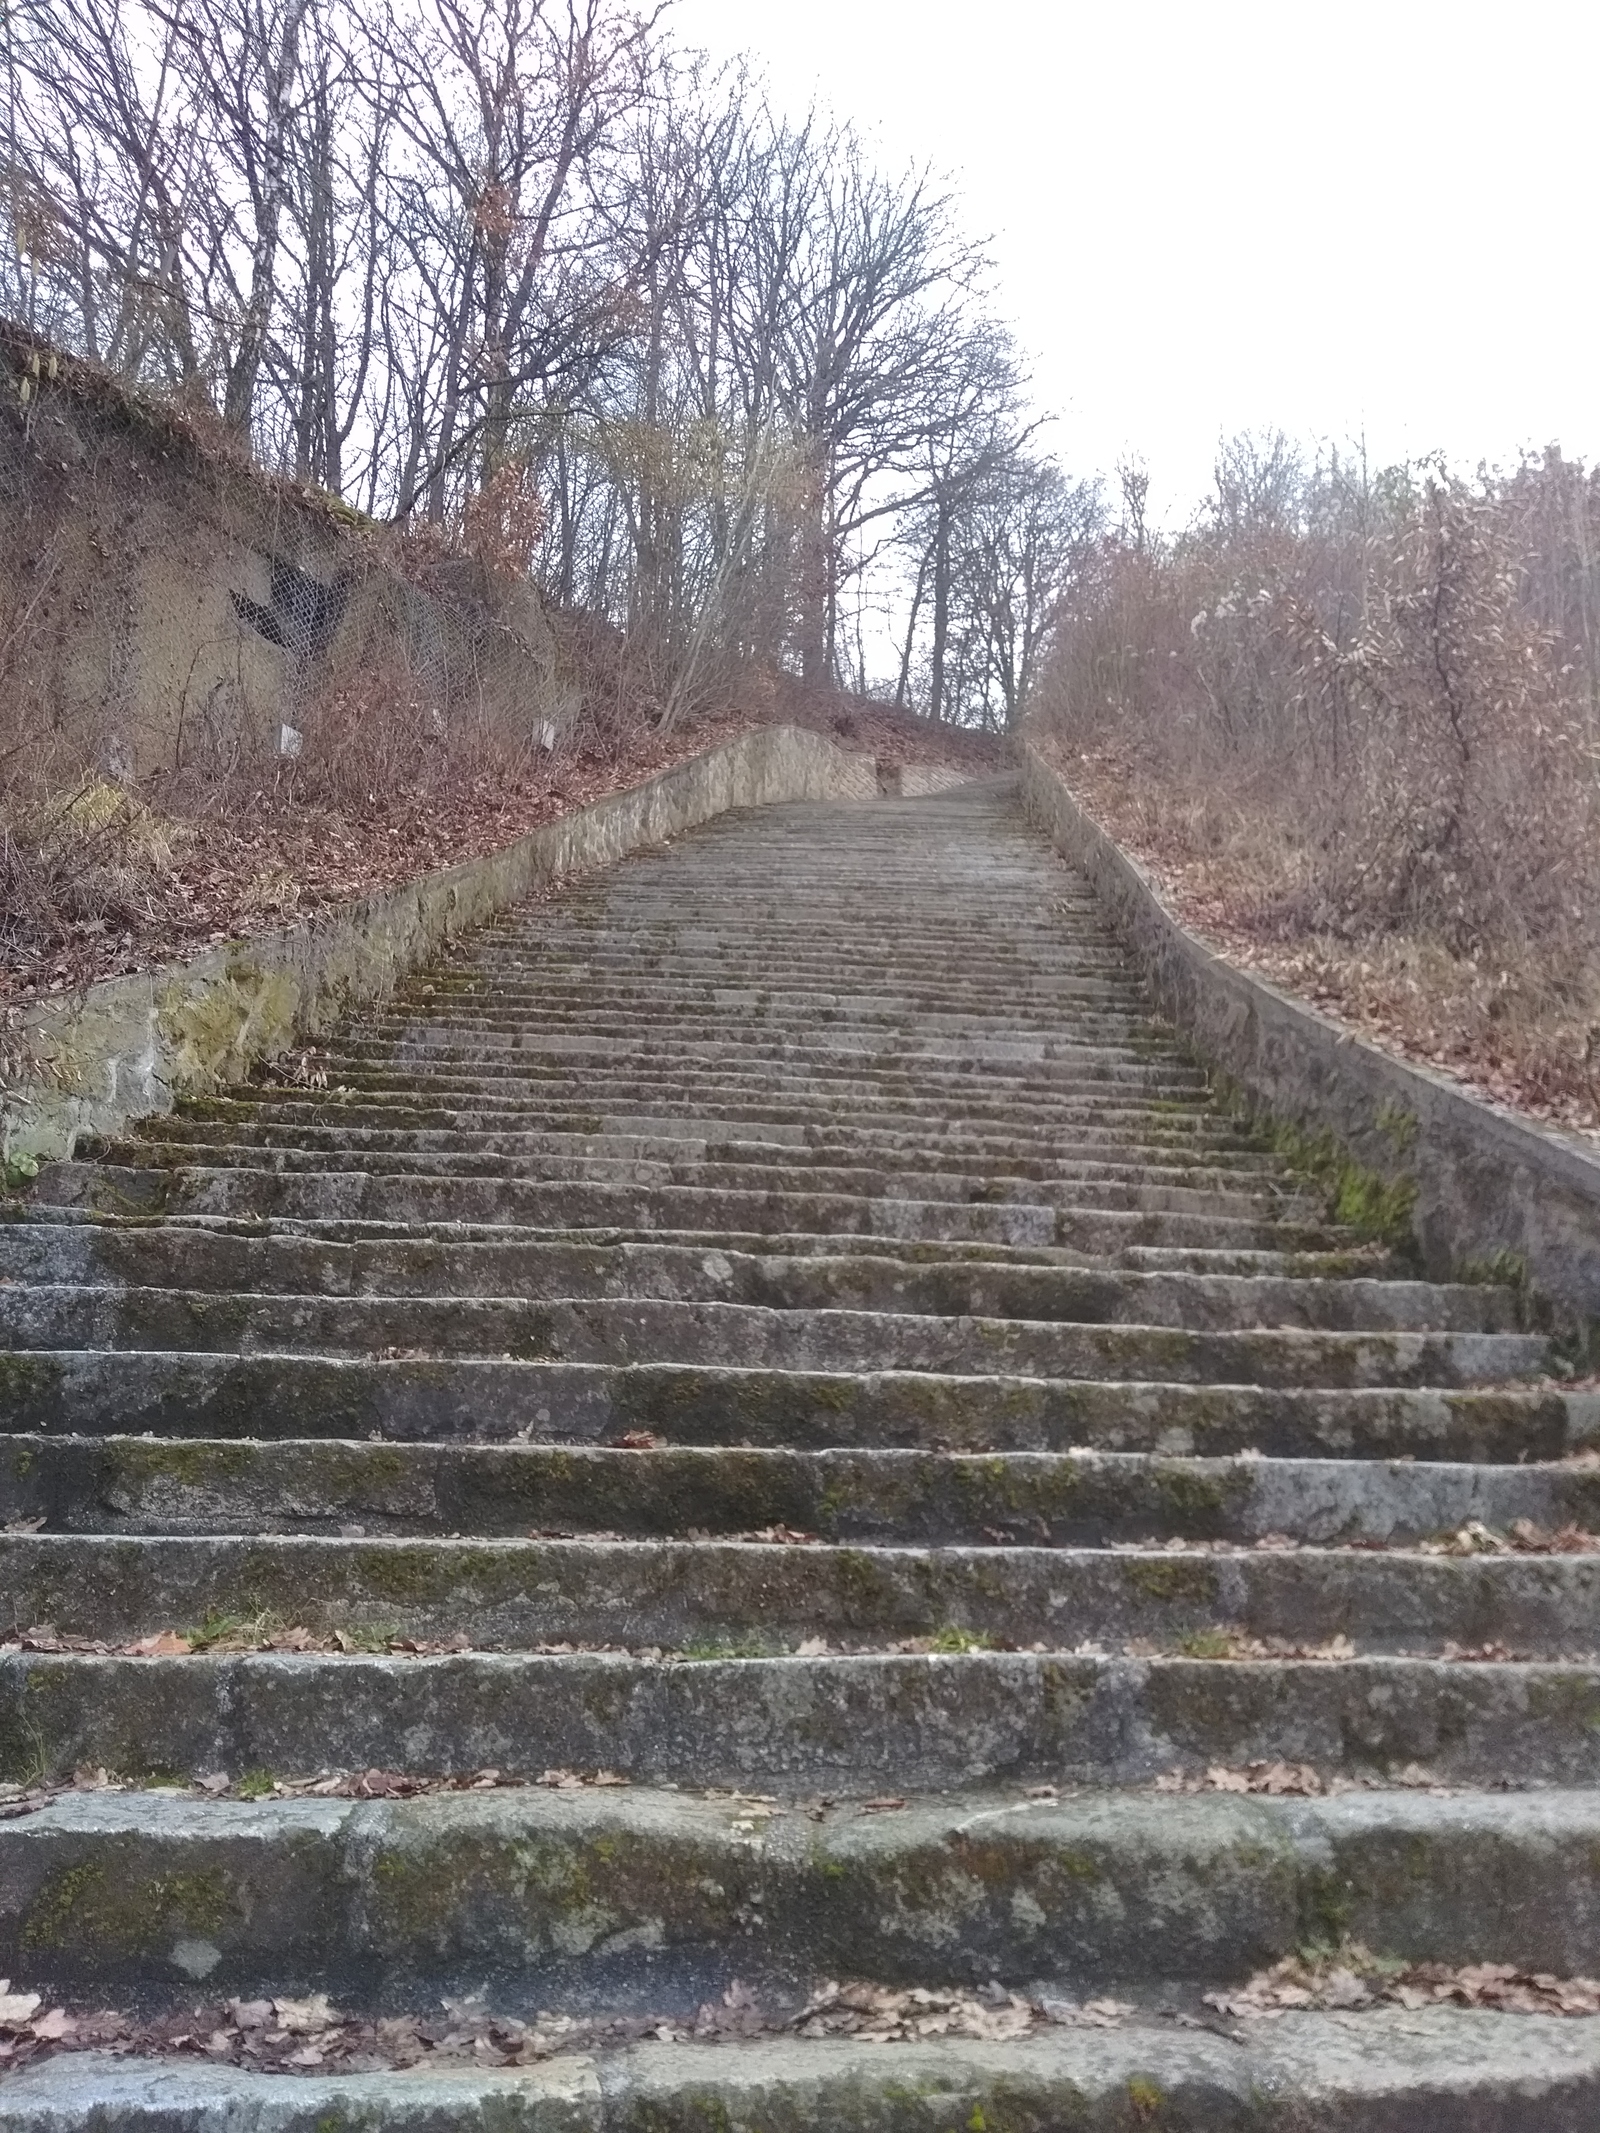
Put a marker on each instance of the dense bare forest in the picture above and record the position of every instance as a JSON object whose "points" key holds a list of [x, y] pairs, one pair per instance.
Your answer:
{"points": [[524, 276]]}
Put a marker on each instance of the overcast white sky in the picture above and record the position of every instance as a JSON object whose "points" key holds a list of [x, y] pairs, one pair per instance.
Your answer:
{"points": [[1365, 217]]}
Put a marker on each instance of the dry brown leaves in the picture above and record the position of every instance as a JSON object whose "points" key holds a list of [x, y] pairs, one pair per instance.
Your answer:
{"points": [[1524, 1538], [878, 2014], [1280, 1779], [299, 2036], [1406, 996], [1352, 1977]]}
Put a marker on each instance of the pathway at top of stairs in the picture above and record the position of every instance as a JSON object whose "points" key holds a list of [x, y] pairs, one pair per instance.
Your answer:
{"points": [[779, 1323]]}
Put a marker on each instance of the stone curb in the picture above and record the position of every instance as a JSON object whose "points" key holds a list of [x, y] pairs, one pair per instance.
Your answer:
{"points": [[1490, 1188], [125, 1047]]}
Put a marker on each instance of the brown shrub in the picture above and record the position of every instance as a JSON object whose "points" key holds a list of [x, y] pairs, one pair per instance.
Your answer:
{"points": [[1358, 716]]}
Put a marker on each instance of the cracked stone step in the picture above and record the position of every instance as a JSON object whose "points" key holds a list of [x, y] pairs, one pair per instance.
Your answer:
{"points": [[399, 1197], [676, 1139], [171, 1259], [174, 1259], [940, 1174], [1341, 1255], [686, 1596], [1082, 1499], [1243, 1189], [184, 1395], [641, 1329], [853, 1726], [628, 1893]]}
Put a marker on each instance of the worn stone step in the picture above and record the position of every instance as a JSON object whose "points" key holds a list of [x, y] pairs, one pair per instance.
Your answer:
{"points": [[185, 1395], [355, 1194], [852, 1726], [687, 1596], [959, 1173], [643, 1329], [634, 1893], [706, 1115], [1079, 1499], [276, 1114], [174, 1258], [746, 1014], [1248, 1188], [1378, 2072], [833, 1069]]}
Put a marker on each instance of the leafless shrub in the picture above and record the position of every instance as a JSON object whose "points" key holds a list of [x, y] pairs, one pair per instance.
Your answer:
{"points": [[1363, 707]]}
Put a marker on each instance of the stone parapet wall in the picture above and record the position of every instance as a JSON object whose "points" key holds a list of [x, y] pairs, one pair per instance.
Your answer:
{"points": [[126, 1047], [1483, 1190]]}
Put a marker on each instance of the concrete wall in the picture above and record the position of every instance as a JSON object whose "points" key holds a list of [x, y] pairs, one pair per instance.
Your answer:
{"points": [[193, 605], [130, 1045], [1487, 1187]]}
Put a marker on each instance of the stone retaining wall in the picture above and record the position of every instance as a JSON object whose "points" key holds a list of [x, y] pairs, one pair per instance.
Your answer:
{"points": [[1486, 1190], [128, 1046]]}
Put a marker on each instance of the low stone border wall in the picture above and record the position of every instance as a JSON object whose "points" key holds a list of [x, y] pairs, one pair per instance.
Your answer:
{"points": [[126, 1047], [1481, 1191]]}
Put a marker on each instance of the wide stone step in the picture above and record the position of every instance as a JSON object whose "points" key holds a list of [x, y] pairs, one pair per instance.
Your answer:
{"points": [[1079, 1499], [198, 1259], [851, 1726], [643, 1329], [633, 1893], [973, 1172], [837, 1066], [1385, 2071], [1234, 1190], [742, 1012], [806, 1121], [186, 1395], [279, 1113], [399, 1197], [697, 1597]]}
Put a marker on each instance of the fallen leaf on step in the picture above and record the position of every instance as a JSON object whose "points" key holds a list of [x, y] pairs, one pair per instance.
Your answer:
{"points": [[165, 1644], [305, 2017]]}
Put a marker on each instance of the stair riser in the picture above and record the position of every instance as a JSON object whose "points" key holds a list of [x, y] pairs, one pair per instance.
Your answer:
{"points": [[750, 1337], [1187, 1188], [851, 1727], [361, 1900], [186, 1396], [134, 1485], [358, 1195], [41, 1256], [690, 1596]]}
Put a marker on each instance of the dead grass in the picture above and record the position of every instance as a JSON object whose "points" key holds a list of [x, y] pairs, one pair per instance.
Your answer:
{"points": [[104, 880]]}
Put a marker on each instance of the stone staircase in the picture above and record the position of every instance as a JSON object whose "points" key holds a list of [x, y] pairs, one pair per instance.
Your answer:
{"points": [[780, 1325]]}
